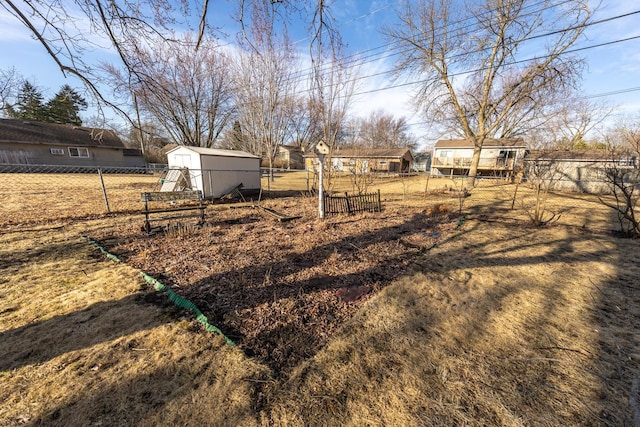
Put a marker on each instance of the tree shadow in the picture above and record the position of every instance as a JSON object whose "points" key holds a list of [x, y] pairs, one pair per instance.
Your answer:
{"points": [[190, 391], [14, 259], [104, 321], [465, 363]]}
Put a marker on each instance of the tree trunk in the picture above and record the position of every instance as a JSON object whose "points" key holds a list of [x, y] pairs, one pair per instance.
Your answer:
{"points": [[473, 168]]}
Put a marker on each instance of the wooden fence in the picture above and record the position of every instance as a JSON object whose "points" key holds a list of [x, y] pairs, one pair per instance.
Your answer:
{"points": [[352, 203]]}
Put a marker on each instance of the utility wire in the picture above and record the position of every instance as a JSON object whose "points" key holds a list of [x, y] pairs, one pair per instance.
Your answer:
{"points": [[356, 59], [461, 73], [462, 54]]}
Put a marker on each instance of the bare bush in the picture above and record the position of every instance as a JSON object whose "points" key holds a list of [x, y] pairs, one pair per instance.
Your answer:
{"points": [[623, 179], [542, 175]]}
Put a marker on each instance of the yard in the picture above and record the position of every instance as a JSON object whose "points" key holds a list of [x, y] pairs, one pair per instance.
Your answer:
{"points": [[413, 316]]}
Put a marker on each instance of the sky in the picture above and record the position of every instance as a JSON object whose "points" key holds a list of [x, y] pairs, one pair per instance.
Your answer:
{"points": [[612, 74]]}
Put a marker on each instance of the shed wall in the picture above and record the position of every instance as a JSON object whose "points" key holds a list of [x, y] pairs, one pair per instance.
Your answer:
{"points": [[215, 175]]}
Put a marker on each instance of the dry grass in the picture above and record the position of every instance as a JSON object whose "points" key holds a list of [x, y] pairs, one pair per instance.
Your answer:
{"points": [[84, 343], [29, 198], [499, 324]]}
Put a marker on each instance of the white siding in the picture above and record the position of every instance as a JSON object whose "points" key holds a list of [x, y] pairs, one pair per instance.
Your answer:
{"points": [[216, 172]]}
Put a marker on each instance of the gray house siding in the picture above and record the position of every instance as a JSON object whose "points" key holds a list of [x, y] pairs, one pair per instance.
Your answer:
{"points": [[66, 155], [35, 143], [577, 171]]}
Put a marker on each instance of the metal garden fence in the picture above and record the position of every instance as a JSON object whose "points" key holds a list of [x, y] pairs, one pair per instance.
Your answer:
{"points": [[353, 203]]}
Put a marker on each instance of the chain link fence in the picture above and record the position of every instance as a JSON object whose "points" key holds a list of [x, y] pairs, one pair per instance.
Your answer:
{"points": [[42, 193], [45, 193]]}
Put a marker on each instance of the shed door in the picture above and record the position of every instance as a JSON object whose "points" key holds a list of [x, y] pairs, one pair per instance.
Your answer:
{"points": [[183, 160]]}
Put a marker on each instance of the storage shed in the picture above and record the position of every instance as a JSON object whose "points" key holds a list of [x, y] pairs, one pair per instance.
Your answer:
{"points": [[216, 172]]}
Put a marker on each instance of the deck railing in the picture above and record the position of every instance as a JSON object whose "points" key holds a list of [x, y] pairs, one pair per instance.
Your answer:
{"points": [[465, 162]]}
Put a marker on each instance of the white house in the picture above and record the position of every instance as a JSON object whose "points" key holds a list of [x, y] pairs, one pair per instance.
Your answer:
{"points": [[216, 172], [497, 157]]}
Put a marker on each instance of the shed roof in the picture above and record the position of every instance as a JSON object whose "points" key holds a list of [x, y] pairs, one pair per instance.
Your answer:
{"points": [[490, 142], [218, 152], [30, 132]]}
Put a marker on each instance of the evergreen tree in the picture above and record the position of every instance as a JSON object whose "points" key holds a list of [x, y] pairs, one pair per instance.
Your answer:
{"points": [[29, 104], [65, 106]]}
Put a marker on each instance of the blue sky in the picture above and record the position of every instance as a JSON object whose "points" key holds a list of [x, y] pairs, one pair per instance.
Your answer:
{"points": [[613, 69]]}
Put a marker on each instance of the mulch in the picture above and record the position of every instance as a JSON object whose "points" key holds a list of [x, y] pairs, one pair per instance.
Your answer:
{"points": [[282, 289]]}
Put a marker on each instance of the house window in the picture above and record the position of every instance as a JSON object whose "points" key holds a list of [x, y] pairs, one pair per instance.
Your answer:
{"points": [[78, 152], [56, 151]]}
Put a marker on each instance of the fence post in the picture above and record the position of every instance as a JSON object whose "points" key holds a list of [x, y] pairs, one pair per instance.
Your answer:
{"points": [[346, 197], [379, 202], [321, 188], [104, 191], [426, 186]]}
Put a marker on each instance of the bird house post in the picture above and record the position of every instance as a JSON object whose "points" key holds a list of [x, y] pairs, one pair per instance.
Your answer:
{"points": [[321, 149]]}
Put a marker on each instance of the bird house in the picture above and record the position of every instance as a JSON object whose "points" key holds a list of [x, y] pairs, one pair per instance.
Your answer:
{"points": [[321, 148]]}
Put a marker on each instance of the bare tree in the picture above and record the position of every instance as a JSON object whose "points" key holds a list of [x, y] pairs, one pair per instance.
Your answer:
{"points": [[383, 130], [542, 175], [63, 29], [186, 90], [333, 78], [469, 57], [570, 126], [10, 83], [623, 181], [150, 138], [626, 136], [265, 82], [332, 88], [305, 125]]}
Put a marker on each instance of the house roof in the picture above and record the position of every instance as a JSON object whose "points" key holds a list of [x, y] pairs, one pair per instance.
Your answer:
{"points": [[490, 142], [215, 152], [576, 155], [422, 156], [290, 147], [369, 153], [30, 132]]}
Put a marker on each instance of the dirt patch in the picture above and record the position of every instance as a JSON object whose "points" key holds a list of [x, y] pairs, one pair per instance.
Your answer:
{"points": [[281, 289]]}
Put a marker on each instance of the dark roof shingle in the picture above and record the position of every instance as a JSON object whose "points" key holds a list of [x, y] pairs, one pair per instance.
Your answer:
{"points": [[30, 132]]}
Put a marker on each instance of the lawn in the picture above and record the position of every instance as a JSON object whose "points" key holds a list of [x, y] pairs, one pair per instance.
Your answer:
{"points": [[411, 316]]}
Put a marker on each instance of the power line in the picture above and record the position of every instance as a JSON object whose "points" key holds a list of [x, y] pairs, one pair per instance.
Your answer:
{"points": [[388, 72], [460, 73], [614, 92], [357, 59], [588, 96]]}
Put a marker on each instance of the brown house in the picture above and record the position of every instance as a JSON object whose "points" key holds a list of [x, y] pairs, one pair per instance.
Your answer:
{"points": [[35, 143], [391, 160]]}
